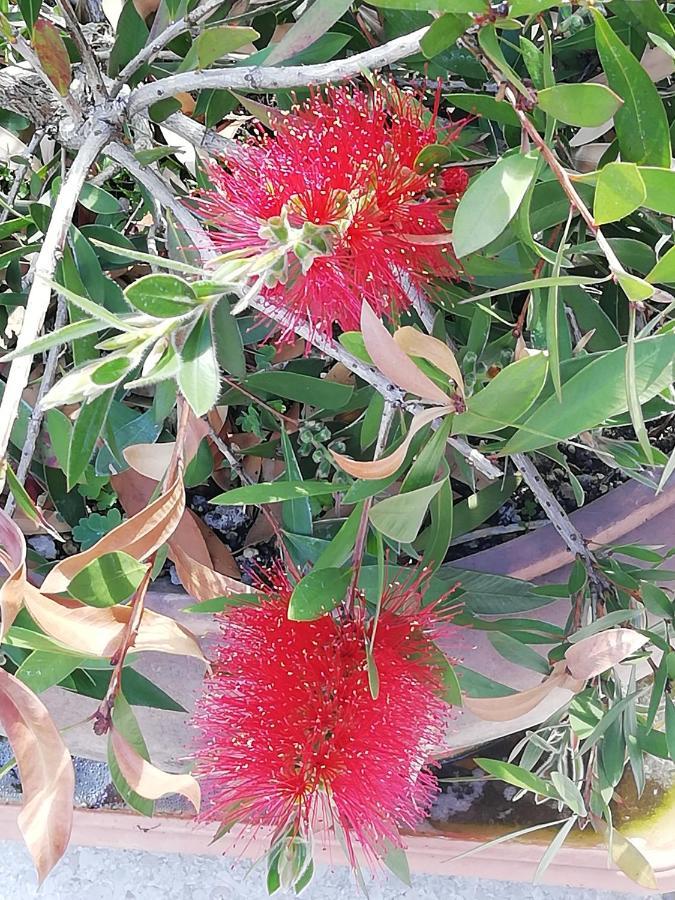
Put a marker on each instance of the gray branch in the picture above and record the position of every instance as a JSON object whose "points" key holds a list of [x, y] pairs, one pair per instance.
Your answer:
{"points": [[262, 78]]}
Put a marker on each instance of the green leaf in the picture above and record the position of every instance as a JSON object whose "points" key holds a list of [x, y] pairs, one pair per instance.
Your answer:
{"points": [[317, 593], [373, 674], [584, 105], [632, 394], [670, 727], [42, 669], [619, 191], [131, 35], [501, 189], [126, 723], [227, 337], [396, 861], [63, 335], [212, 43], [554, 313], [491, 595], [581, 409], [220, 604], [198, 376], [636, 289], [86, 432], [444, 33], [303, 388], [456, 6], [441, 509], [644, 16], [109, 579], [452, 690], [490, 45], [517, 776], [51, 50], [516, 652], [312, 24], [162, 296], [569, 792], [425, 467], [641, 123], [296, 515], [400, 518], [483, 105], [339, 549], [505, 399], [480, 506], [275, 492], [30, 10], [664, 271], [555, 845]]}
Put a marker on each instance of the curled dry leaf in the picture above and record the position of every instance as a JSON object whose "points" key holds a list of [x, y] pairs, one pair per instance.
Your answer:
{"points": [[387, 465], [393, 362], [140, 536], [599, 652], [505, 709], [46, 769], [415, 343], [204, 564], [95, 631], [13, 559], [146, 779]]}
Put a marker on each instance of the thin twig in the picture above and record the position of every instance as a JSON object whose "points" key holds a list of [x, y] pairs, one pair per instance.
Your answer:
{"points": [[388, 414], [35, 421], [89, 62], [40, 292], [202, 11], [264, 78]]}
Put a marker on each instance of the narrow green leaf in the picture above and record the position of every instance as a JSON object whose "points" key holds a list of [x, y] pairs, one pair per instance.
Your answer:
{"points": [[339, 549], [641, 123], [296, 514], [632, 396], [486, 106], [275, 492], [517, 776], [227, 337], [86, 432], [214, 42], [440, 530], [553, 847], [569, 792], [198, 376], [373, 674], [126, 723], [488, 39], [481, 505], [311, 25]]}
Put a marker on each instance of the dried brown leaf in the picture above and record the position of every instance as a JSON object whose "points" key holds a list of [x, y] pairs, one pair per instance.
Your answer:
{"points": [[95, 631], [387, 465], [391, 360], [146, 779], [13, 559], [415, 343], [505, 709], [140, 536], [46, 769], [598, 652], [203, 582]]}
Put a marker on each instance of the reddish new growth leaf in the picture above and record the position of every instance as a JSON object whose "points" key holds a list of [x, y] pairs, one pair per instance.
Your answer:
{"points": [[291, 737], [338, 187]]}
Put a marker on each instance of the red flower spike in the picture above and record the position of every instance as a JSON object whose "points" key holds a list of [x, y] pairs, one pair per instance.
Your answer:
{"points": [[344, 162], [291, 736]]}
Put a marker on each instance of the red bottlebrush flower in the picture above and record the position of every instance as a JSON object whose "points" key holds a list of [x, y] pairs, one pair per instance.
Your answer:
{"points": [[344, 163], [291, 734]]}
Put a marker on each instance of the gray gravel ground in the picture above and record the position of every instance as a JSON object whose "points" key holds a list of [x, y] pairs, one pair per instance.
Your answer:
{"points": [[88, 874]]}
